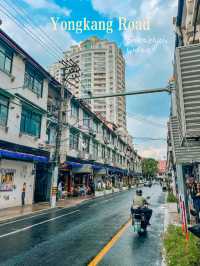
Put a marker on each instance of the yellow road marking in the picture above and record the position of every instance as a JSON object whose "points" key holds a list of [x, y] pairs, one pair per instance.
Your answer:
{"points": [[109, 245]]}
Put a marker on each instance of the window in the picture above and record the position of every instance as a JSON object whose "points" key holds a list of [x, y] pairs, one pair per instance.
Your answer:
{"points": [[30, 122], [6, 57], [103, 152], [113, 140], [74, 139], [74, 111], [86, 120], [86, 142], [33, 81], [95, 126], [4, 103], [108, 153], [95, 149], [51, 134], [113, 157]]}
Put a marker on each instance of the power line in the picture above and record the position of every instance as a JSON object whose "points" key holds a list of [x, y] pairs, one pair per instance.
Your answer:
{"points": [[151, 139], [31, 22], [153, 123], [25, 30], [23, 27]]}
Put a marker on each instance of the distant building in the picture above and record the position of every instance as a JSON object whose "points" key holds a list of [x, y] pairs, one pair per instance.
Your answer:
{"points": [[162, 167], [102, 72]]}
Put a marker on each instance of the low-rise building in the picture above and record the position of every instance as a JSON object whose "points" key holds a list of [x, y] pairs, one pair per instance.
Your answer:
{"points": [[29, 105]]}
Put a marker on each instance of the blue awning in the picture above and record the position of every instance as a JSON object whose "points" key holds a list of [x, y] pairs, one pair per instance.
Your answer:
{"points": [[99, 170], [78, 168], [114, 170], [22, 156], [72, 164]]}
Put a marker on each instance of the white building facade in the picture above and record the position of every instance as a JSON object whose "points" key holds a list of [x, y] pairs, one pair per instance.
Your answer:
{"points": [[29, 105]]}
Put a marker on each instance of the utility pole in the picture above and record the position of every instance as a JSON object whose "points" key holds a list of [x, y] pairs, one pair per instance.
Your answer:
{"points": [[70, 70]]}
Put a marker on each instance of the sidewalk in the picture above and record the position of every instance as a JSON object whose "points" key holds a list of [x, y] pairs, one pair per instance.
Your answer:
{"points": [[171, 216], [16, 212]]}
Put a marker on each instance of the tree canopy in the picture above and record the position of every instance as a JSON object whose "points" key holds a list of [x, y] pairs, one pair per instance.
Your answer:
{"points": [[149, 167]]}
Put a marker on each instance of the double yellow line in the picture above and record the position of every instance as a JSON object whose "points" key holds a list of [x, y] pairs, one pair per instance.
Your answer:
{"points": [[109, 245]]}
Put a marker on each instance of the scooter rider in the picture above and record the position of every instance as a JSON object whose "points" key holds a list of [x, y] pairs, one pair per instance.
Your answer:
{"points": [[139, 203]]}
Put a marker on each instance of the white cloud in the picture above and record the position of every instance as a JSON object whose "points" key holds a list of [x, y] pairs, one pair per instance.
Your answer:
{"points": [[48, 5], [40, 53], [148, 127], [152, 152], [113, 9]]}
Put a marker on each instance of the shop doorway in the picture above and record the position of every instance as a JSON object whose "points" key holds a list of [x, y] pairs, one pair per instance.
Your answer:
{"points": [[42, 183]]}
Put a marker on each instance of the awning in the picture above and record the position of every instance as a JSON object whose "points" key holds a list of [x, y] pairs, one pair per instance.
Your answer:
{"points": [[78, 168], [82, 169], [22, 156], [99, 170], [114, 170]]}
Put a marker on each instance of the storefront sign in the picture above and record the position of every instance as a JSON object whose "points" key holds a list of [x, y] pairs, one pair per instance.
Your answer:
{"points": [[7, 179]]}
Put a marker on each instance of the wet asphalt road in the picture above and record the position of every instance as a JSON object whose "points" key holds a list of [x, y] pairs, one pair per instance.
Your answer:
{"points": [[74, 236]]}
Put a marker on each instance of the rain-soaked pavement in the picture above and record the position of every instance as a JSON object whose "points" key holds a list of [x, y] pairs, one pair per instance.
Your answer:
{"points": [[74, 236]]}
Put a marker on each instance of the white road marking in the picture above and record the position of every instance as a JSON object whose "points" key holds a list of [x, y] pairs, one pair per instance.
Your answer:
{"points": [[34, 225], [47, 211], [29, 217], [28, 213]]}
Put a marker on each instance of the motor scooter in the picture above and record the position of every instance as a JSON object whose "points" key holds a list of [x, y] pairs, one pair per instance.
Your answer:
{"points": [[139, 222]]}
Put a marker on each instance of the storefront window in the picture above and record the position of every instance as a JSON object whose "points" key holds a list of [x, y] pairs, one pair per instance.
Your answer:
{"points": [[4, 103], [30, 122]]}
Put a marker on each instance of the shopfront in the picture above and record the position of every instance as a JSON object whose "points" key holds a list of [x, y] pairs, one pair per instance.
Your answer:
{"points": [[99, 174], [17, 169]]}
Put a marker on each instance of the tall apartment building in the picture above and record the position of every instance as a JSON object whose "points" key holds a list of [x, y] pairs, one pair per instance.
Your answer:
{"points": [[102, 72]]}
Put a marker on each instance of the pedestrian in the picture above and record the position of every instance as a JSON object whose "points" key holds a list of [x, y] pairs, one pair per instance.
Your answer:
{"points": [[92, 188], [197, 202], [60, 190], [23, 194]]}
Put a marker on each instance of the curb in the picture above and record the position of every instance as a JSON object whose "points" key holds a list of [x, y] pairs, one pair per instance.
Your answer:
{"points": [[58, 207]]}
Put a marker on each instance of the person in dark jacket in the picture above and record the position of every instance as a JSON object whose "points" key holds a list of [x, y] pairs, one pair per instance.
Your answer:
{"points": [[23, 194]]}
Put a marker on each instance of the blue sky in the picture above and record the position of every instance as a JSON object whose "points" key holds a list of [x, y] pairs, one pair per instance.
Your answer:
{"points": [[148, 54]]}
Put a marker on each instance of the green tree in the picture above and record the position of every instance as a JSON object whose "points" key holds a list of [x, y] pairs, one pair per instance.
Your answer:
{"points": [[149, 167]]}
